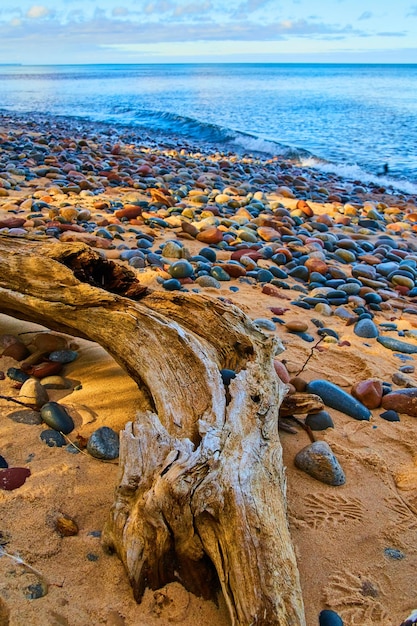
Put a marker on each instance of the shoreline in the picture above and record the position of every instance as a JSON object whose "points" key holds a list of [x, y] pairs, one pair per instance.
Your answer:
{"points": [[279, 236]]}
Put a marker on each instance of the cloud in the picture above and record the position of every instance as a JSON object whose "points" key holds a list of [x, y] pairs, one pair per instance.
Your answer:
{"points": [[161, 6], [37, 11], [392, 34], [413, 11], [194, 8], [120, 12], [366, 15]]}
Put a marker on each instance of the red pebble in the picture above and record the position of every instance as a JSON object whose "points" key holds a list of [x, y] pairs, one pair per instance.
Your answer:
{"points": [[276, 310], [13, 477]]}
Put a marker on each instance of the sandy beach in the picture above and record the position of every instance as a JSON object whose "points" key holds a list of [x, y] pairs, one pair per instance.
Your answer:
{"points": [[328, 265]]}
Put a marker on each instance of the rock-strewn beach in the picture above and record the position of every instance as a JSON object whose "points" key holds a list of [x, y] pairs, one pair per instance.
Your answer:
{"points": [[328, 264]]}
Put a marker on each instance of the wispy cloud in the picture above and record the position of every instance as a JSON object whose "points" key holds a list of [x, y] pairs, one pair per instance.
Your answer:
{"points": [[37, 12], [366, 15], [413, 11]]}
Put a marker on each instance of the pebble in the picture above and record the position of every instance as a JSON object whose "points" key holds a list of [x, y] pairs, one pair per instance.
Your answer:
{"points": [[319, 421], [265, 324], [369, 392], [330, 618], [13, 477], [397, 346], [52, 438], [402, 401], [318, 460], [66, 526], [35, 591], [393, 553], [32, 392], [63, 356], [208, 281], [336, 398], [104, 444], [56, 416], [390, 416], [55, 382], [296, 326], [366, 328], [227, 375], [17, 374], [25, 416]]}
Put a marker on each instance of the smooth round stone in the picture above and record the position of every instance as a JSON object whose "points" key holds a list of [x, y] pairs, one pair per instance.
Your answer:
{"points": [[56, 416], [264, 276], [319, 421], [296, 326], [265, 323], [25, 416], [330, 618], [3, 462], [208, 281], [172, 250], [402, 401], [227, 376], [336, 398], [352, 289], [397, 346], [104, 444], [209, 254], [318, 461], [52, 438], [18, 375], [407, 369], [32, 392], [181, 269], [404, 281], [126, 255], [366, 328], [346, 256], [13, 347], [63, 356], [47, 342], [386, 268], [300, 272], [55, 382], [219, 273], [143, 243], [328, 332], [324, 309], [35, 591], [172, 284], [137, 262]]}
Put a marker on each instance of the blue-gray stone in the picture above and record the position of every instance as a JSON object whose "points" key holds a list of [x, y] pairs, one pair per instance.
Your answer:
{"points": [[393, 553], [35, 591], [17, 374], [318, 460], [181, 269], [208, 281], [63, 356], [264, 276], [397, 346], [57, 417], [366, 328], [172, 284], [208, 253], [219, 273], [3, 462], [330, 618], [25, 416], [137, 262], [334, 397], [390, 416], [319, 421], [265, 323], [104, 443], [52, 438]]}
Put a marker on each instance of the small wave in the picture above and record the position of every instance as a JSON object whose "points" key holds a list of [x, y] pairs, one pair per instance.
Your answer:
{"points": [[355, 172]]}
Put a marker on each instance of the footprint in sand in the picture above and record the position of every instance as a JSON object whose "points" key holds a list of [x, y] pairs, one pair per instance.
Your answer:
{"points": [[357, 599], [404, 518], [329, 509]]}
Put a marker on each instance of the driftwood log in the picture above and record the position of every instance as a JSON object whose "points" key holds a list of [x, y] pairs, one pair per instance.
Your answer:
{"points": [[202, 493]]}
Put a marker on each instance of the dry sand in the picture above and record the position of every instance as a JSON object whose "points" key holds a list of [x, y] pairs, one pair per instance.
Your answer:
{"points": [[341, 534]]}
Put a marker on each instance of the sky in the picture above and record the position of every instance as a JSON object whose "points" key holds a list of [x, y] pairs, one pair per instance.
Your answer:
{"points": [[181, 31]]}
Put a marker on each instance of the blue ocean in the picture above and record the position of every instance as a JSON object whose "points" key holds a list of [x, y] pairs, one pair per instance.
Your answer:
{"points": [[348, 119]]}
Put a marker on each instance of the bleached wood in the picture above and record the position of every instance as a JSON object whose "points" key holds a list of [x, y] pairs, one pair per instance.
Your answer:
{"points": [[201, 496]]}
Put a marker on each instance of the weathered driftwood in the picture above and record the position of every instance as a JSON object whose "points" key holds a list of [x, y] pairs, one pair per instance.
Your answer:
{"points": [[201, 497]]}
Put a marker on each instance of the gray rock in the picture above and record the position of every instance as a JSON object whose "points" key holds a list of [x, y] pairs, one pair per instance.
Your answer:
{"points": [[57, 417], [25, 416], [104, 444], [366, 328], [319, 421], [318, 461]]}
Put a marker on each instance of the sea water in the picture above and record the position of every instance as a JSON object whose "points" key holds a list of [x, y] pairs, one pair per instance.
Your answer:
{"points": [[348, 118]]}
